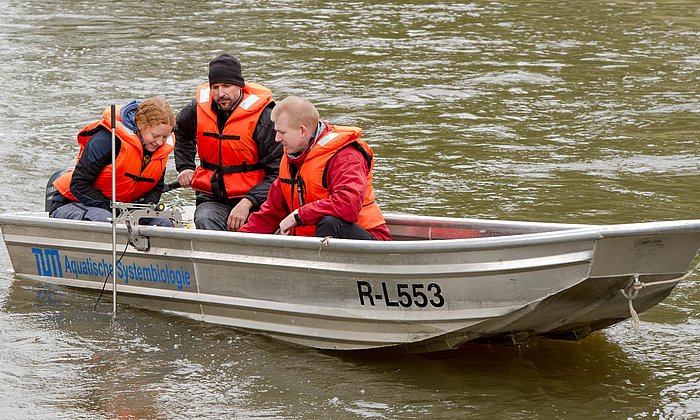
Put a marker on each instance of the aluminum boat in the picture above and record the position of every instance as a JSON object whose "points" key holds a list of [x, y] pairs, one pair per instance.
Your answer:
{"points": [[441, 283]]}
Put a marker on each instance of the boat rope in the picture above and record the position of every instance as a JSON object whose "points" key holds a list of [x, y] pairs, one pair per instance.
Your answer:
{"points": [[324, 242], [633, 290]]}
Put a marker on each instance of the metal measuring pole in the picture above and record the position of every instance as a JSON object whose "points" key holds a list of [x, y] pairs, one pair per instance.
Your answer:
{"points": [[114, 212]]}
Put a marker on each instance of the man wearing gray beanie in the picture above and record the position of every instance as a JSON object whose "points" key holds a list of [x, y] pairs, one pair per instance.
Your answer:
{"points": [[228, 124]]}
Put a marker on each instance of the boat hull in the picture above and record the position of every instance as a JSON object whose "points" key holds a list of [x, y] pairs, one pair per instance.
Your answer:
{"points": [[421, 295]]}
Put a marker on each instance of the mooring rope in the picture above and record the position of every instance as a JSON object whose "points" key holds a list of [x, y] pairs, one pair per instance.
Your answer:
{"points": [[324, 241], [634, 288]]}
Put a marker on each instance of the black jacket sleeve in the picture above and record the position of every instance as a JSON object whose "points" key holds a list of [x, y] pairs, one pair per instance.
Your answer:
{"points": [[97, 154], [185, 137], [270, 153]]}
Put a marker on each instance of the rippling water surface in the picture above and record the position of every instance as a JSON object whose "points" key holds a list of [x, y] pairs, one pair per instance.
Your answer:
{"points": [[552, 111]]}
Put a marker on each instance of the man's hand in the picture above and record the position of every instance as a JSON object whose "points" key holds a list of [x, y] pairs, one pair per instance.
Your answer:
{"points": [[185, 178], [288, 223], [239, 214]]}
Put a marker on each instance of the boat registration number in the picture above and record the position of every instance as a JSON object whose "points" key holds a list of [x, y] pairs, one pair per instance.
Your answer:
{"points": [[406, 295]]}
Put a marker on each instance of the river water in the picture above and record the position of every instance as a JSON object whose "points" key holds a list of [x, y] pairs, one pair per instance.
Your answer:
{"points": [[550, 111]]}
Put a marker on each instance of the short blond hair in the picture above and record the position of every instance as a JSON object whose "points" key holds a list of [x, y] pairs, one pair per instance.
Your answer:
{"points": [[154, 111], [299, 111]]}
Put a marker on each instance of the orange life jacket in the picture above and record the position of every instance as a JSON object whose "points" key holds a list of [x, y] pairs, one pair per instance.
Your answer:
{"points": [[131, 182], [309, 183], [232, 153]]}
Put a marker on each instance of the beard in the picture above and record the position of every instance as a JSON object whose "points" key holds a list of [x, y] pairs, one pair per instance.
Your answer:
{"points": [[230, 100], [226, 108]]}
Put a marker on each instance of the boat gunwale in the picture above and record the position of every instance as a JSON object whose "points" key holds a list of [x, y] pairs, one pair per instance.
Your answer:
{"points": [[582, 233]]}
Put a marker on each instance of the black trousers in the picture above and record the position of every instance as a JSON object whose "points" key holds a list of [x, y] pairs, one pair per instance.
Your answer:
{"points": [[339, 228]]}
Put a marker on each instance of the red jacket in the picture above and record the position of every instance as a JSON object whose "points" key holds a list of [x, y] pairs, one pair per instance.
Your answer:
{"points": [[311, 177], [347, 176]]}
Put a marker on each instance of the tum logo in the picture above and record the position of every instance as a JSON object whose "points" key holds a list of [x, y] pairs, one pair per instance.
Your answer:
{"points": [[48, 262]]}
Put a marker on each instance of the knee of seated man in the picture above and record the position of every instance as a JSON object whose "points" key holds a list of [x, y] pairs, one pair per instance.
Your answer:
{"points": [[211, 216], [329, 226]]}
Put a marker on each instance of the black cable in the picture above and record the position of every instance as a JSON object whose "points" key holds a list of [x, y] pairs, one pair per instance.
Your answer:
{"points": [[107, 276]]}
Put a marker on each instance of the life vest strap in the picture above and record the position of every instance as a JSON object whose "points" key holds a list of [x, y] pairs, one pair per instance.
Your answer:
{"points": [[221, 136], [138, 178], [301, 188], [232, 169]]}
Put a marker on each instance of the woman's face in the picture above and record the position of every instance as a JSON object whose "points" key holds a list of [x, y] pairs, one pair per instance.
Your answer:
{"points": [[156, 136]]}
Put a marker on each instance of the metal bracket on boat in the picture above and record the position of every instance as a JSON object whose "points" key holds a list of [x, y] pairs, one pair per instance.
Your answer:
{"points": [[130, 214]]}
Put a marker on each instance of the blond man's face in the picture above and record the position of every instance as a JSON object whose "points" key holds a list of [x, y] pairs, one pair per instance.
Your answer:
{"points": [[295, 138]]}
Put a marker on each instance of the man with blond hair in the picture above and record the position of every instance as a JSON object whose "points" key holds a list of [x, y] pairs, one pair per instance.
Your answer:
{"points": [[324, 186]]}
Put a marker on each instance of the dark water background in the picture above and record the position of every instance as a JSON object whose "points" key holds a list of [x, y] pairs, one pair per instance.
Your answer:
{"points": [[551, 111]]}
